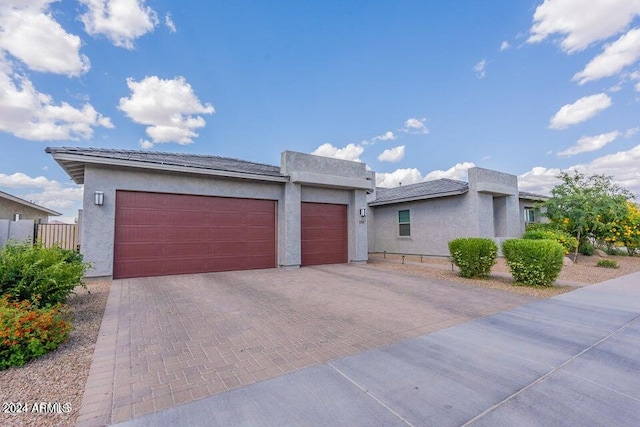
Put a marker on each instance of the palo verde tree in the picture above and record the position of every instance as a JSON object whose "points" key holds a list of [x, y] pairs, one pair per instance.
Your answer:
{"points": [[585, 206]]}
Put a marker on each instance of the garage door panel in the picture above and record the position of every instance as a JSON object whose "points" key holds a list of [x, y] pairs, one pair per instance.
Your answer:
{"points": [[140, 250], [324, 233], [185, 217], [259, 220], [135, 234], [259, 233], [140, 217], [191, 234], [184, 233]]}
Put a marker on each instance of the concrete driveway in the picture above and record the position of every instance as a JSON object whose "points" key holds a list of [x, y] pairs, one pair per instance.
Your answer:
{"points": [[167, 341]]}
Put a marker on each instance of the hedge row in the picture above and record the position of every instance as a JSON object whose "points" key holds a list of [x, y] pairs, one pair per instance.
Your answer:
{"points": [[535, 262]]}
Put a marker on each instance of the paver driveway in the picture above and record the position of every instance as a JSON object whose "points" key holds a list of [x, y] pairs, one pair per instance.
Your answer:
{"points": [[169, 340]]}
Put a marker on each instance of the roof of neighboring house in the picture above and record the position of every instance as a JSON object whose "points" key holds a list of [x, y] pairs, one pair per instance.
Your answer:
{"points": [[73, 160], [422, 190], [430, 190], [15, 199], [532, 196]]}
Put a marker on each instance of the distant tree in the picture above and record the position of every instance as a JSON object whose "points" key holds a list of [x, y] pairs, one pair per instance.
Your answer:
{"points": [[586, 206]]}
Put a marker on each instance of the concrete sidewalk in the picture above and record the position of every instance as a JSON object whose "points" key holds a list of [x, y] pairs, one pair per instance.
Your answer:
{"points": [[570, 360]]}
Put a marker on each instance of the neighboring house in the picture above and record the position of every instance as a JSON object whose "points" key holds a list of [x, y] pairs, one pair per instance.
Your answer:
{"points": [[151, 213], [422, 218], [531, 213], [14, 208], [17, 217]]}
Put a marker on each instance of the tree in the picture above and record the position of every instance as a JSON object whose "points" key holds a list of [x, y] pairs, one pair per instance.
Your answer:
{"points": [[585, 206]]}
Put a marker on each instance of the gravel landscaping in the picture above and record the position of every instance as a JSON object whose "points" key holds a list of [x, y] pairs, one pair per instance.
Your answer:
{"points": [[57, 378], [583, 273]]}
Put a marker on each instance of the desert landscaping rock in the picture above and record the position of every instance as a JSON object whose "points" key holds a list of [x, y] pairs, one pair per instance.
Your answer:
{"points": [[58, 377]]}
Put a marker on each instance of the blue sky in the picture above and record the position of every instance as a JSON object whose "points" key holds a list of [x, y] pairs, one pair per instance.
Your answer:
{"points": [[417, 90]]}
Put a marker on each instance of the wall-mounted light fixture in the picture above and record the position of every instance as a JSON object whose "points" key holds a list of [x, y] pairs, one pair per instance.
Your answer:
{"points": [[363, 212], [99, 198]]}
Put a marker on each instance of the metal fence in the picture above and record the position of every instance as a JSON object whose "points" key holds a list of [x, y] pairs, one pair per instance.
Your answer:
{"points": [[62, 235]]}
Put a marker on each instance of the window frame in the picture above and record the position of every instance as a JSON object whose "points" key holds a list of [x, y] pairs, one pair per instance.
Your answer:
{"points": [[529, 215], [406, 224]]}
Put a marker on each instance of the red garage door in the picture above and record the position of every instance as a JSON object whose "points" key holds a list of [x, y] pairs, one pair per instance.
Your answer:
{"points": [[324, 233], [159, 234]]}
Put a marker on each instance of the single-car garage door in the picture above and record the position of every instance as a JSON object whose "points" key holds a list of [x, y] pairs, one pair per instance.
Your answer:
{"points": [[160, 234], [324, 233]]}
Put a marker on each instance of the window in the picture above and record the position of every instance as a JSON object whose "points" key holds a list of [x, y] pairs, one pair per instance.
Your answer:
{"points": [[529, 215], [404, 224], [16, 217]]}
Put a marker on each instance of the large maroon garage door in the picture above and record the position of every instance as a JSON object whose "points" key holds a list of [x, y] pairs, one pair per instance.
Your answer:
{"points": [[159, 234], [324, 233]]}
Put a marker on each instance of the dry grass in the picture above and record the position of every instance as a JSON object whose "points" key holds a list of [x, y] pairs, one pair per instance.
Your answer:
{"points": [[582, 273], [59, 376]]}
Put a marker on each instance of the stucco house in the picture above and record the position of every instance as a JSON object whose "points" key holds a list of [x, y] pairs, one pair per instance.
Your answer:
{"points": [[152, 213], [422, 218], [17, 217], [14, 208]]}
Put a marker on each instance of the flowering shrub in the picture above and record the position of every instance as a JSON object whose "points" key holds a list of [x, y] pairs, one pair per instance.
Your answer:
{"points": [[533, 262], [568, 242], [45, 276], [28, 331], [474, 256]]}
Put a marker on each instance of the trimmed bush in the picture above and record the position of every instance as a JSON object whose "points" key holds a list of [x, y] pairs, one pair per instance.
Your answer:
{"points": [[533, 262], [586, 248], [607, 263], [28, 331], [44, 276], [474, 256], [568, 242]]}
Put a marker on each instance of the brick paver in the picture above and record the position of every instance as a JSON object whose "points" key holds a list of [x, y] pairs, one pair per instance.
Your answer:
{"points": [[170, 340]]}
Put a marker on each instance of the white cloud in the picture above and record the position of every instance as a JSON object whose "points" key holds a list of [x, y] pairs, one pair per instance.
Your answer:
{"points": [[387, 136], [21, 180], [59, 198], [43, 191], [392, 154], [504, 46], [145, 144], [481, 69], [631, 132], [350, 152], [580, 25], [615, 56], [621, 165], [539, 180], [590, 143], [121, 21], [415, 126], [170, 109], [395, 178], [32, 115], [29, 33], [412, 175], [459, 172], [581, 110], [168, 22]]}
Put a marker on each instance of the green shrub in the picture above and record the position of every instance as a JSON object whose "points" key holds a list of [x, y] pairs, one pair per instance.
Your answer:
{"points": [[27, 331], [615, 251], [568, 242], [542, 226], [533, 262], [607, 263], [474, 256], [586, 248], [43, 276]]}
